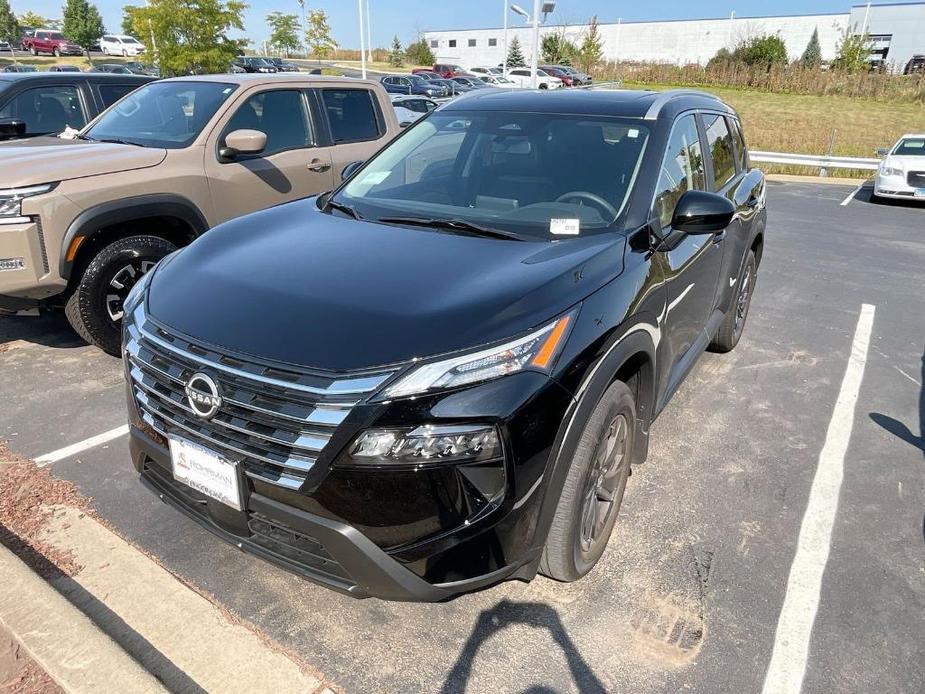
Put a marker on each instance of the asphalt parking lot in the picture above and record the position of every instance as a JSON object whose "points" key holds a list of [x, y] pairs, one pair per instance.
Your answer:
{"points": [[691, 589]]}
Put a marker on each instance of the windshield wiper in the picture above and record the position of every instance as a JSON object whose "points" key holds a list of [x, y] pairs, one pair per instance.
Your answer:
{"points": [[342, 207], [454, 225], [116, 141]]}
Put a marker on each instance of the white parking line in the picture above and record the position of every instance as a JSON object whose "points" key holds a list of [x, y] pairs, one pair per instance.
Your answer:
{"points": [[851, 195], [795, 625], [81, 446]]}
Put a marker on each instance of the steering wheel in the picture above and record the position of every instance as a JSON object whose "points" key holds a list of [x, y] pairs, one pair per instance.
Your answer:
{"points": [[610, 212]]}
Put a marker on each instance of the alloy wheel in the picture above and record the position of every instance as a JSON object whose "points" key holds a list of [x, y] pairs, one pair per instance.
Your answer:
{"points": [[743, 300], [604, 485], [121, 284]]}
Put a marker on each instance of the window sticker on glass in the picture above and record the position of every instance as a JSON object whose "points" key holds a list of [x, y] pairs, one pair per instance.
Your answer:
{"points": [[564, 227], [373, 178]]}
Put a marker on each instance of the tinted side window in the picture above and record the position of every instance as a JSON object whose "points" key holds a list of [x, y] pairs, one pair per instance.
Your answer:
{"points": [[46, 109], [741, 150], [111, 93], [351, 114], [280, 114], [682, 169], [721, 150]]}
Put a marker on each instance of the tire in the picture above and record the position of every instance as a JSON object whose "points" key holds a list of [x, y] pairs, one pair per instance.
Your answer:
{"points": [[124, 53], [56, 52], [544, 86], [92, 308], [32, 50], [730, 330], [595, 484]]}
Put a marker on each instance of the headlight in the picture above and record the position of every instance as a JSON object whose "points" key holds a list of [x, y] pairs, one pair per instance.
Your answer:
{"points": [[426, 444], [890, 171], [538, 350], [11, 201]]}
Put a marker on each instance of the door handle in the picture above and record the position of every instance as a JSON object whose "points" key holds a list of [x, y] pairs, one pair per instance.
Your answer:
{"points": [[318, 166]]}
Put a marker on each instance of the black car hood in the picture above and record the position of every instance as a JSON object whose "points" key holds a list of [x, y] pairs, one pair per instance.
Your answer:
{"points": [[296, 285]]}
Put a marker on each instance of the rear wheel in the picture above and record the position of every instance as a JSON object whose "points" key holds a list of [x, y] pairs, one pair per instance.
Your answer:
{"points": [[56, 52], [94, 308], [730, 330], [593, 489]]}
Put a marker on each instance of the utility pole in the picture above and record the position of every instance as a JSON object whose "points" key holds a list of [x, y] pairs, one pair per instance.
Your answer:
{"points": [[534, 58], [504, 61], [362, 41]]}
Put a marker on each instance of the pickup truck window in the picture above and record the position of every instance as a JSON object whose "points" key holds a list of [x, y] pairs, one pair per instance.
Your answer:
{"points": [[111, 93], [162, 114], [279, 114], [351, 114], [721, 150], [682, 168], [46, 109], [741, 150]]}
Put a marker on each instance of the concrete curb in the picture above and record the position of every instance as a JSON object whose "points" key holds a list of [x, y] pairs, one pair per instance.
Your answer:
{"points": [[77, 655], [829, 180]]}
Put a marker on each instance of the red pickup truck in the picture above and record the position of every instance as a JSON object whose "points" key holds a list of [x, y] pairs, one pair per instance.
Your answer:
{"points": [[445, 70], [50, 41]]}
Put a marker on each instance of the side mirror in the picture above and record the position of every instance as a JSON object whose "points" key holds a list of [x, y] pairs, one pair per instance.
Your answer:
{"points": [[698, 212], [883, 151], [240, 142], [350, 169], [11, 129]]}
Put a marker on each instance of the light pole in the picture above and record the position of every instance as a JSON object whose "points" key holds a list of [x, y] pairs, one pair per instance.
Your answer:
{"points": [[535, 53], [504, 60], [369, 37], [304, 25], [362, 42]]}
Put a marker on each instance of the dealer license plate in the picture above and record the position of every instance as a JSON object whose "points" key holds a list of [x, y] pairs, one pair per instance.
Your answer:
{"points": [[205, 471]]}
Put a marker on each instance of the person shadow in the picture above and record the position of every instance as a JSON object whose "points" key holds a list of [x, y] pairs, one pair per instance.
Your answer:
{"points": [[901, 430], [535, 614]]}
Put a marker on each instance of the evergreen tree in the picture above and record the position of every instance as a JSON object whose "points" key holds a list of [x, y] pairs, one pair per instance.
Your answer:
{"points": [[9, 27], [515, 56], [396, 55], [812, 56]]}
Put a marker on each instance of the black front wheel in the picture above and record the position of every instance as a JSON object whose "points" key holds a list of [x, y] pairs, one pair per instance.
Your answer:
{"points": [[593, 490], [94, 307], [730, 330]]}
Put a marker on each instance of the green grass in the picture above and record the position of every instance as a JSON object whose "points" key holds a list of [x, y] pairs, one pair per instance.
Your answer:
{"points": [[804, 124]]}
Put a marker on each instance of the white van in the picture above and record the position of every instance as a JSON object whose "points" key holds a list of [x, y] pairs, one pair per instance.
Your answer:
{"points": [[121, 45]]}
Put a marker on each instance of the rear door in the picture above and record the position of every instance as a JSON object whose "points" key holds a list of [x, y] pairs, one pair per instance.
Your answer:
{"points": [[691, 263], [355, 126], [294, 164]]}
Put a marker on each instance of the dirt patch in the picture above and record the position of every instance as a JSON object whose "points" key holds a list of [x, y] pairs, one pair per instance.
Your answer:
{"points": [[18, 672], [27, 495]]}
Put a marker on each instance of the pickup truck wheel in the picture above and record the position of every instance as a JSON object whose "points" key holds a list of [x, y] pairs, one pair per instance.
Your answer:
{"points": [[593, 489], [94, 308], [730, 330], [32, 50], [55, 52]]}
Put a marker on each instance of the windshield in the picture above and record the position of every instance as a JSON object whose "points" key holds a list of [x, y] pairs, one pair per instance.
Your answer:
{"points": [[128, 39], [537, 175], [416, 79], [162, 114], [911, 146]]}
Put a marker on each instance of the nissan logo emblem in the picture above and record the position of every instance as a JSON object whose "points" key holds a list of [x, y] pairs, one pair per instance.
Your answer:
{"points": [[203, 395]]}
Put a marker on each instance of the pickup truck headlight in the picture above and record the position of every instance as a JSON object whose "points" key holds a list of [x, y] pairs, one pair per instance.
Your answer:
{"points": [[11, 202], [426, 444], [537, 350], [890, 171]]}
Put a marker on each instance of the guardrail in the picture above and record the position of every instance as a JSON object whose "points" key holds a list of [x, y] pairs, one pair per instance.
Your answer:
{"points": [[821, 162]]}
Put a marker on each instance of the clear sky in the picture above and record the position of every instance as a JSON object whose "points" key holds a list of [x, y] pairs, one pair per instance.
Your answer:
{"points": [[407, 18]]}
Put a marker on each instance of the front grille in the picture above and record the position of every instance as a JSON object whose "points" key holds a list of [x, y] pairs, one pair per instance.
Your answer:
{"points": [[916, 179], [275, 421]]}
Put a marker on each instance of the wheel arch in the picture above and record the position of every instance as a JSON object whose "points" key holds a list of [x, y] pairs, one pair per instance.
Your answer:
{"points": [[171, 217], [628, 355]]}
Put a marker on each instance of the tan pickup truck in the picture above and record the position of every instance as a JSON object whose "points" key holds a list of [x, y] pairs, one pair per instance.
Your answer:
{"points": [[81, 219]]}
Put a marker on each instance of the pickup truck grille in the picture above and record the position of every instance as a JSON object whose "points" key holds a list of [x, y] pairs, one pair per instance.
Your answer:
{"points": [[916, 179], [274, 421]]}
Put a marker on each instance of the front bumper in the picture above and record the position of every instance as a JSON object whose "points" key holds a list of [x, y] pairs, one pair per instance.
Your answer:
{"points": [[24, 264], [897, 187]]}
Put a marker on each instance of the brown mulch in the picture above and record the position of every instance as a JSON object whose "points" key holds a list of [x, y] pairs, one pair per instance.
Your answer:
{"points": [[30, 680], [27, 494]]}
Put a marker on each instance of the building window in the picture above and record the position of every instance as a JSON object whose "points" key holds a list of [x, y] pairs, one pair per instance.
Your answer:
{"points": [[452, 43], [434, 43], [471, 43], [492, 42]]}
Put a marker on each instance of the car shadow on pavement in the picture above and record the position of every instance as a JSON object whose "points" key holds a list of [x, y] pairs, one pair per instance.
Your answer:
{"points": [[902, 431], [535, 614], [48, 329], [133, 643]]}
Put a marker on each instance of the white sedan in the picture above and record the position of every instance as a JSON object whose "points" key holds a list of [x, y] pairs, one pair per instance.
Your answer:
{"points": [[902, 172], [521, 77]]}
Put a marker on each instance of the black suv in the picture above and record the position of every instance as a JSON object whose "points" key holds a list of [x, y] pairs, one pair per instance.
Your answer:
{"points": [[43, 103], [437, 376]]}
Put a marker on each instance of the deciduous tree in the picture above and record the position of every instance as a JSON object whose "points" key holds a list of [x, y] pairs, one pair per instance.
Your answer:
{"points": [[853, 51], [82, 24], [34, 20], [284, 32], [419, 53], [591, 51], [9, 27], [318, 34]]}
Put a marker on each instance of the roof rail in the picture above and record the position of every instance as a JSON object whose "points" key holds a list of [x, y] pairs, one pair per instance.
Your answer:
{"points": [[664, 97]]}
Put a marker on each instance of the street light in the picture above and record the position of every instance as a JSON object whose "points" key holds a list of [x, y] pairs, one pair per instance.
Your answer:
{"points": [[546, 8], [362, 41]]}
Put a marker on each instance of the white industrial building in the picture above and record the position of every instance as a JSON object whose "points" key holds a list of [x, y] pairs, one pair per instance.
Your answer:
{"points": [[897, 31]]}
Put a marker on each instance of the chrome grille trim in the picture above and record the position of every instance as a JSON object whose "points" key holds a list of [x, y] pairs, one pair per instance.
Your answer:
{"points": [[274, 428]]}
